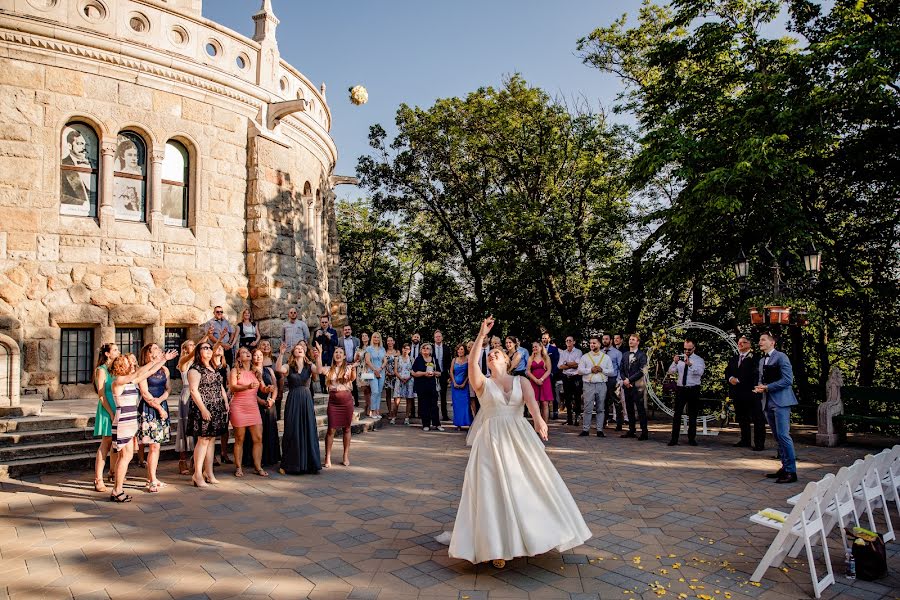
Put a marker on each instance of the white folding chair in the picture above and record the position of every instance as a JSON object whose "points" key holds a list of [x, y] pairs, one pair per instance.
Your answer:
{"points": [[890, 477], [841, 511], [803, 522], [873, 495], [823, 497]]}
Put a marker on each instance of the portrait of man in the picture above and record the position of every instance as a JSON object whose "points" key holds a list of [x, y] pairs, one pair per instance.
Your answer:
{"points": [[78, 170]]}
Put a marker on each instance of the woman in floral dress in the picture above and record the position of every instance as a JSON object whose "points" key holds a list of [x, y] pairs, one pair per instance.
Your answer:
{"points": [[403, 389], [390, 379], [208, 415], [153, 413]]}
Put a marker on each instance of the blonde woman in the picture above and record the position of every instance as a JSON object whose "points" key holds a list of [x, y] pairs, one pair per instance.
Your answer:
{"points": [[339, 378], [538, 372], [244, 382], [375, 358], [220, 364]]}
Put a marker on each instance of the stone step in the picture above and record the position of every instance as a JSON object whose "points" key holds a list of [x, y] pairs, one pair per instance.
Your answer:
{"points": [[84, 460], [21, 424]]}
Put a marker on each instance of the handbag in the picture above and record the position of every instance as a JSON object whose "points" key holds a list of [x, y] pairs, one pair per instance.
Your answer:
{"points": [[869, 554], [368, 375]]}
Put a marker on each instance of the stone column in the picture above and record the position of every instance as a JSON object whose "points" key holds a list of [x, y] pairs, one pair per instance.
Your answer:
{"points": [[107, 208], [154, 208]]}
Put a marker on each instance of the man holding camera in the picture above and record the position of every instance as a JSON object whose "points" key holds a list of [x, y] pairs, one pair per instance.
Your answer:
{"points": [[689, 370]]}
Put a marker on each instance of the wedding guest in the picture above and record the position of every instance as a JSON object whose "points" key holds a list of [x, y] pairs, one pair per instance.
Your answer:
{"points": [[139, 448], [619, 343], [243, 414], [223, 367], [632, 371], [443, 358], [327, 337], [776, 378], [363, 373], [106, 410], [415, 348], [595, 368], [496, 343], [460, 397], [294, 330], [538, 371], [339, 377], [153, 413], [374, 357], [219, 330], [568, 362], [425, 371], [125, 422], [184, 443], [265, 398], [742, 375], [351, 344], [404, 386], [300, 442], [208, 413], [518, 357], [248, 331], [612, 384], [390, 379], [553, 353], [688, 371]]}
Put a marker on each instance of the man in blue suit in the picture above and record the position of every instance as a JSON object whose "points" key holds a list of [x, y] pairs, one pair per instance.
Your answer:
{"points": [[775, 379]]}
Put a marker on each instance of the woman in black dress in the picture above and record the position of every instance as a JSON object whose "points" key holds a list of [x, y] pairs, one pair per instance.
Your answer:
{"points": [[425, 371], [265, 397], [300, 441], [208, 415]]}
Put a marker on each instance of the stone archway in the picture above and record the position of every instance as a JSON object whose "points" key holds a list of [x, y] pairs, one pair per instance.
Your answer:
{"points": [[10, 372]]}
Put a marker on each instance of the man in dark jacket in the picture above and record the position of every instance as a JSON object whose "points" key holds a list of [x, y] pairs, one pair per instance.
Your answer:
{"points": [[631, 370], [742, 375]]}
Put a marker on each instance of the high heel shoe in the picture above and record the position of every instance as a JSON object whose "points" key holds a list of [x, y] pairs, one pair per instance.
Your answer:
{"points": [[198, 485], [99, 486]]}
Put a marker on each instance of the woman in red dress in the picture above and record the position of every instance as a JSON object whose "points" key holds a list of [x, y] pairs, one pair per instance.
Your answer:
{"points": [[539, 371]]}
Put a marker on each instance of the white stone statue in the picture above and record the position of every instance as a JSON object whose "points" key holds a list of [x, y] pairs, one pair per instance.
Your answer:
{"points": [[829, 409]]}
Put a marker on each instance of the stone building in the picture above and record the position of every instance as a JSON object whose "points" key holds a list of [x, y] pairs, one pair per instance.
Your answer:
{"points": [[153, 164]]}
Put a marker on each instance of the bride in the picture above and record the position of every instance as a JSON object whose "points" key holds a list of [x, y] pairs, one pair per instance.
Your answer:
{"points": [[514, 503]]}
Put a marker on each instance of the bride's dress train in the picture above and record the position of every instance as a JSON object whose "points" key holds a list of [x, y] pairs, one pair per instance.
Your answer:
{"points": [[514, 503]]}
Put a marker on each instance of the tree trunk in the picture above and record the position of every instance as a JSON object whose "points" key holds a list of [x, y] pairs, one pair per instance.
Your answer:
{"points": [[866, 366]]}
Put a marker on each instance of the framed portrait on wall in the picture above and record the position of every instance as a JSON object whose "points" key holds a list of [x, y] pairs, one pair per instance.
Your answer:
{"points": [[79, 151], [130, 178]]}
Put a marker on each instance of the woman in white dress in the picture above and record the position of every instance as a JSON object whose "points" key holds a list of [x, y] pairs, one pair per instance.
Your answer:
{"points": [[514, 503]]}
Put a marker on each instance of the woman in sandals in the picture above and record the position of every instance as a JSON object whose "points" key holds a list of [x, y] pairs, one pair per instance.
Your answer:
{"points": [[153, 413], [106, 410], [339, 378], [300, 441], [244, 415], [208, 415], [125, 423]]}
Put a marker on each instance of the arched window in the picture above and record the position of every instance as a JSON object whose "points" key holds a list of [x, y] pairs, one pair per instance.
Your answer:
{"points": [[176, 192], [79, 168], [130, 177], [323, 228], [319, 222], [310, 212]]}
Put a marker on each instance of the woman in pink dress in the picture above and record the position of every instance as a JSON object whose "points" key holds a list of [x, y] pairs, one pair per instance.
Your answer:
{"points": [[539, 371], [244, 383]]}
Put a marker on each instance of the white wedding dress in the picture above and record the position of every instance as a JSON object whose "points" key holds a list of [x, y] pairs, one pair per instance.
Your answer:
{"points": [[514, 503]]}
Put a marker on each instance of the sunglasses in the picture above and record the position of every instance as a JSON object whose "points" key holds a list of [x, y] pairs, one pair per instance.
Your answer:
{"points": [[205, 347]]}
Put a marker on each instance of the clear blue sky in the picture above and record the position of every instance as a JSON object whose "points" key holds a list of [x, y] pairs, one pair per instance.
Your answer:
{"points": [[416, 51]]}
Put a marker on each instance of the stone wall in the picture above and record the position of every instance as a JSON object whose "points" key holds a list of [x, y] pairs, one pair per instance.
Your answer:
{"points": [[247, 238]]}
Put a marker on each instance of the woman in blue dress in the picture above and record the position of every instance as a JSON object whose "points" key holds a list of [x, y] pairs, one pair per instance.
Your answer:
{"points": [[375, 355], [461, 416], [153, 413]]}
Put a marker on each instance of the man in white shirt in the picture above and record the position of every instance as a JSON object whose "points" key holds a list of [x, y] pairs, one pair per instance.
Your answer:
{"points": [[568, 364], [444, 357], [689, 371], [595, 367]]}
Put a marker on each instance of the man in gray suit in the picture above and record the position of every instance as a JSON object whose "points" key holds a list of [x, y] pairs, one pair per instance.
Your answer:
{"points": [[776, 376]]}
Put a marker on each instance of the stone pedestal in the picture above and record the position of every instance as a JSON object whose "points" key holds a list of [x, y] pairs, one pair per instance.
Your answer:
{"points": [[833, 406]]}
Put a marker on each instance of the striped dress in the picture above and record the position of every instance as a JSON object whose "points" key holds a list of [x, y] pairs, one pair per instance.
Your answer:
{"points": [[124, 430]]}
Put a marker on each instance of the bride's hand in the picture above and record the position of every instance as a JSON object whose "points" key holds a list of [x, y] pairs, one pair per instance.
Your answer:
{"points": [[541, 429], [487, 324]]}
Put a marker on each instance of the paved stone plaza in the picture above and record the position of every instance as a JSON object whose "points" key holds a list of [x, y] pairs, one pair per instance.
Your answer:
{"points": [[668, 522]]}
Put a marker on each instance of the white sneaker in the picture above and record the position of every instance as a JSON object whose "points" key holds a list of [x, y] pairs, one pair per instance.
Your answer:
{"points": [[426, 429], [439, 428], [393, 421], [406, 422]]}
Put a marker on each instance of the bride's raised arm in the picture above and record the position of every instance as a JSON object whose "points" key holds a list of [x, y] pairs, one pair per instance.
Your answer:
{"points": [[476, 377]]}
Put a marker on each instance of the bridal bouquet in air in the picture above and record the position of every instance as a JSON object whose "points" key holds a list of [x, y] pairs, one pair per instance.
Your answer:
{"points": [[358, 95]]}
